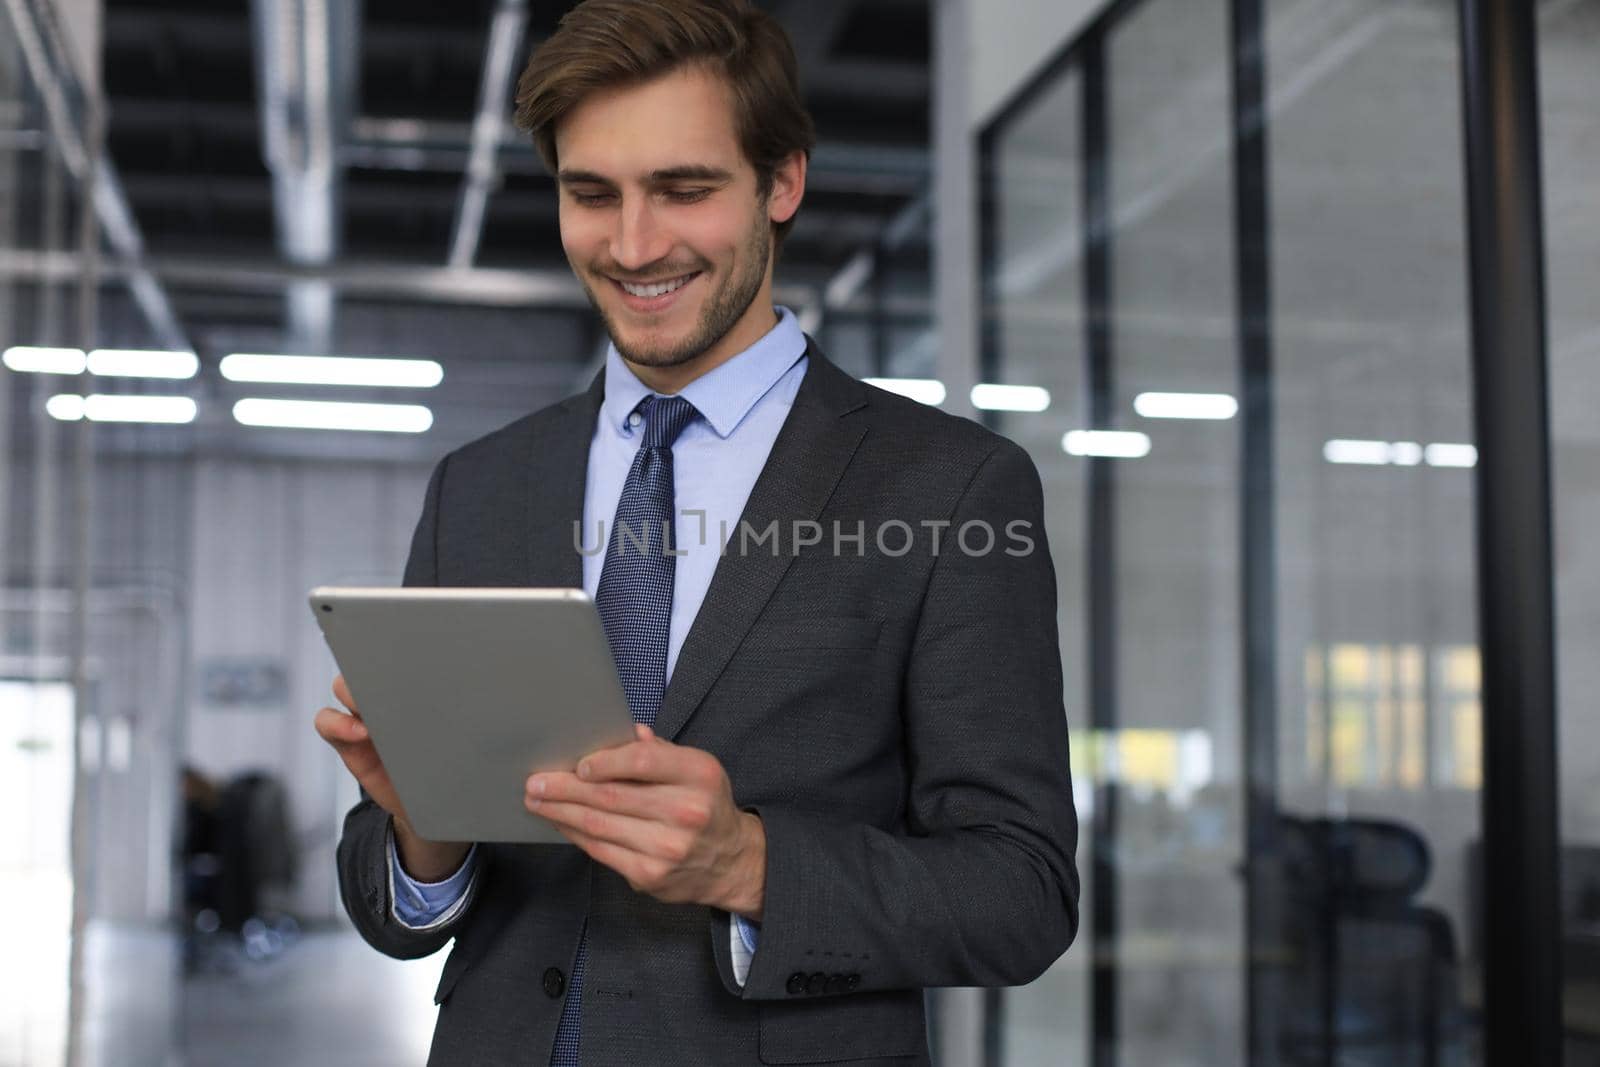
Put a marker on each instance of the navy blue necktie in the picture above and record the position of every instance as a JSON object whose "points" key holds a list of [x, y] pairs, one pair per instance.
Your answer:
{"points": [[635, 605]]}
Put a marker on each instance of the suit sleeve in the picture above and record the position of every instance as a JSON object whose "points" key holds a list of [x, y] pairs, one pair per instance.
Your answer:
{"points": [[363, 857], [982, 888]]}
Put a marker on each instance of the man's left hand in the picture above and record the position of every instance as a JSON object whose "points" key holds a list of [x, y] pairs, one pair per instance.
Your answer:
{"points": [[662, 816]]}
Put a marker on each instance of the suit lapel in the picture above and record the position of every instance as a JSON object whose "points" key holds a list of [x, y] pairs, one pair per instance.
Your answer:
{"points": [[808, 458], [558, 462]]}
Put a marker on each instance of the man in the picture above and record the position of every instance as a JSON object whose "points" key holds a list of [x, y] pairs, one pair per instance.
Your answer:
{"points": [[850, 778]]}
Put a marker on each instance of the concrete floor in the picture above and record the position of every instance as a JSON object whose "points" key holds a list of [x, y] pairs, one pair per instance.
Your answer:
{"points": [[326, 1001], [316, 999]]}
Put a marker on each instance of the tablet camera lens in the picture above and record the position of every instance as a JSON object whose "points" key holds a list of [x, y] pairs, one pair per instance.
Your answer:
{"points": [[327, 607]]}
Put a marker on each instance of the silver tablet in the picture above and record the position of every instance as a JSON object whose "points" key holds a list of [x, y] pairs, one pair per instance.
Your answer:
{"points": [[468, 691]]}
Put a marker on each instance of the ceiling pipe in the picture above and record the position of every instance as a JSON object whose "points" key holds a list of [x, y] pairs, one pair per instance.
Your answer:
{"points": [[488, 130], [306, 66]]}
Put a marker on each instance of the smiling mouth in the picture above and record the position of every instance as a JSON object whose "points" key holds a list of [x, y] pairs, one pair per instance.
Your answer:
{"points": [[655, 289]]}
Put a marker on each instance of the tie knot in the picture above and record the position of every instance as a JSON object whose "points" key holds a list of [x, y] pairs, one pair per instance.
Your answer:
{"points": [[664, 419]]}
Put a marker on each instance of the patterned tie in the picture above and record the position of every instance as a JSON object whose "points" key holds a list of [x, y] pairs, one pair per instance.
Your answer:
{"points": [[635, 605]]}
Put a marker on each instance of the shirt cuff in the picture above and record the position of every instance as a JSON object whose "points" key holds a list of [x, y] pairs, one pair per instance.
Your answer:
{"points": [[743, 938], [426, 905]]}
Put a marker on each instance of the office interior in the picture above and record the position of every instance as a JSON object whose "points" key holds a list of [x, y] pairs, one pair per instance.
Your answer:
{"points": [[1219, 265]]}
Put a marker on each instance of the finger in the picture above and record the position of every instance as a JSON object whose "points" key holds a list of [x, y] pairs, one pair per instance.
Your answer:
{"points": [[537, 786], [338, 728], [348, 738], [341, 691], [659, 803], [641, 761], [624, 831], [641, 732]]}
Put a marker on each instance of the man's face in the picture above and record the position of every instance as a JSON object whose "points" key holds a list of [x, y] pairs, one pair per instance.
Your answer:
{"points": [[661, 220]]}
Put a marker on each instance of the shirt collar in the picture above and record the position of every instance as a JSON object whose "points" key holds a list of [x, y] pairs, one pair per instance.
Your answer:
{"points": [[724, 395]]}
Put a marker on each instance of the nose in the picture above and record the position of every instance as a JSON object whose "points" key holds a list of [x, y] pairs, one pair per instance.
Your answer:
{"points": [[640, 240]]}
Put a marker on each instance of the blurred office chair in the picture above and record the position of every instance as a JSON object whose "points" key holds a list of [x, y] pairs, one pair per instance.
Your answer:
{"points": [[255, 845], [239, 862], [1371, 976]]}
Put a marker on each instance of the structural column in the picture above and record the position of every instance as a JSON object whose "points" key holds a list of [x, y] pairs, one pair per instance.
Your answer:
{"points": [[1522, 987]]}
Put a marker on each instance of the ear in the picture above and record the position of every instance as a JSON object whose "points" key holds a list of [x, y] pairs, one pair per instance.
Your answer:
{"points": [[788, 188]]}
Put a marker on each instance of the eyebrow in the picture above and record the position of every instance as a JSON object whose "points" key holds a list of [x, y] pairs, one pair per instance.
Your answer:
{"points": [[691, 172], [686, 172]]}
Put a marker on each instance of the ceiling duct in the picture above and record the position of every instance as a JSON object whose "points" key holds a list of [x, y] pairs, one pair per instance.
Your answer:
{"points": [[306, 69]]}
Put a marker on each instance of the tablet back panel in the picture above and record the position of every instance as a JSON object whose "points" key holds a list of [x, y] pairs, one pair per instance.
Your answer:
{"points": [[468, 691]]}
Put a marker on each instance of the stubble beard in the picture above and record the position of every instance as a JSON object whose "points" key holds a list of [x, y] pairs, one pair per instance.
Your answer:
{"points": [[721, 313]]}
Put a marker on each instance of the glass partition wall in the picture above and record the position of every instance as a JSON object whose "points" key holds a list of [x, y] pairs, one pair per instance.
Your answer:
{"points": [[1229, 241], [1379, 763], [1569, 40], [1034, 326]]}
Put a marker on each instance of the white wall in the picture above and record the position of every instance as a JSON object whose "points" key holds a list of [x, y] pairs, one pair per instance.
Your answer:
{"points": [[264, 533]]}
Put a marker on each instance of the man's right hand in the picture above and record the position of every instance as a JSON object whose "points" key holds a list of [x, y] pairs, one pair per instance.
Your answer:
{"points": [[424, 860]]}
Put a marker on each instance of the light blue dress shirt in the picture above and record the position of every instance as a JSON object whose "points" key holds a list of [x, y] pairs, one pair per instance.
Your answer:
{"points": [[743, 404]]}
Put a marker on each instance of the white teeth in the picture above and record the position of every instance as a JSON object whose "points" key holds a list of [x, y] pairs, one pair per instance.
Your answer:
{"points": [[659, 289]]}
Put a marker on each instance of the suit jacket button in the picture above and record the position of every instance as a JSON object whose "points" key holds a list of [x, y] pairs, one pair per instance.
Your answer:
{"points": [[852, 982], [797, 984], [816, 983], [836, 983], [555, 983]]}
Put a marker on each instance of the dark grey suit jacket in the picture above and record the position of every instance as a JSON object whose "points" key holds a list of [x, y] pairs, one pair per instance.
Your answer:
{"points": [[894, 718]]}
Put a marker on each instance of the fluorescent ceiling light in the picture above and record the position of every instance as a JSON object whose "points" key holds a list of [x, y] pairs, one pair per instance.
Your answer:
{"points": [[990, 397], [1217, 406], [1397, 454], [1106, 444], [1364, 453], [923, 390], [327, 415], [1442, 455], [65, 407], [333, 370], [28, 360], [1405, 453], [127, 363], [168, 410]]}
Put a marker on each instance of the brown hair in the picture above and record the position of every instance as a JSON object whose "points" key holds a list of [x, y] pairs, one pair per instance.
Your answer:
{"points": [[603, 44]]}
